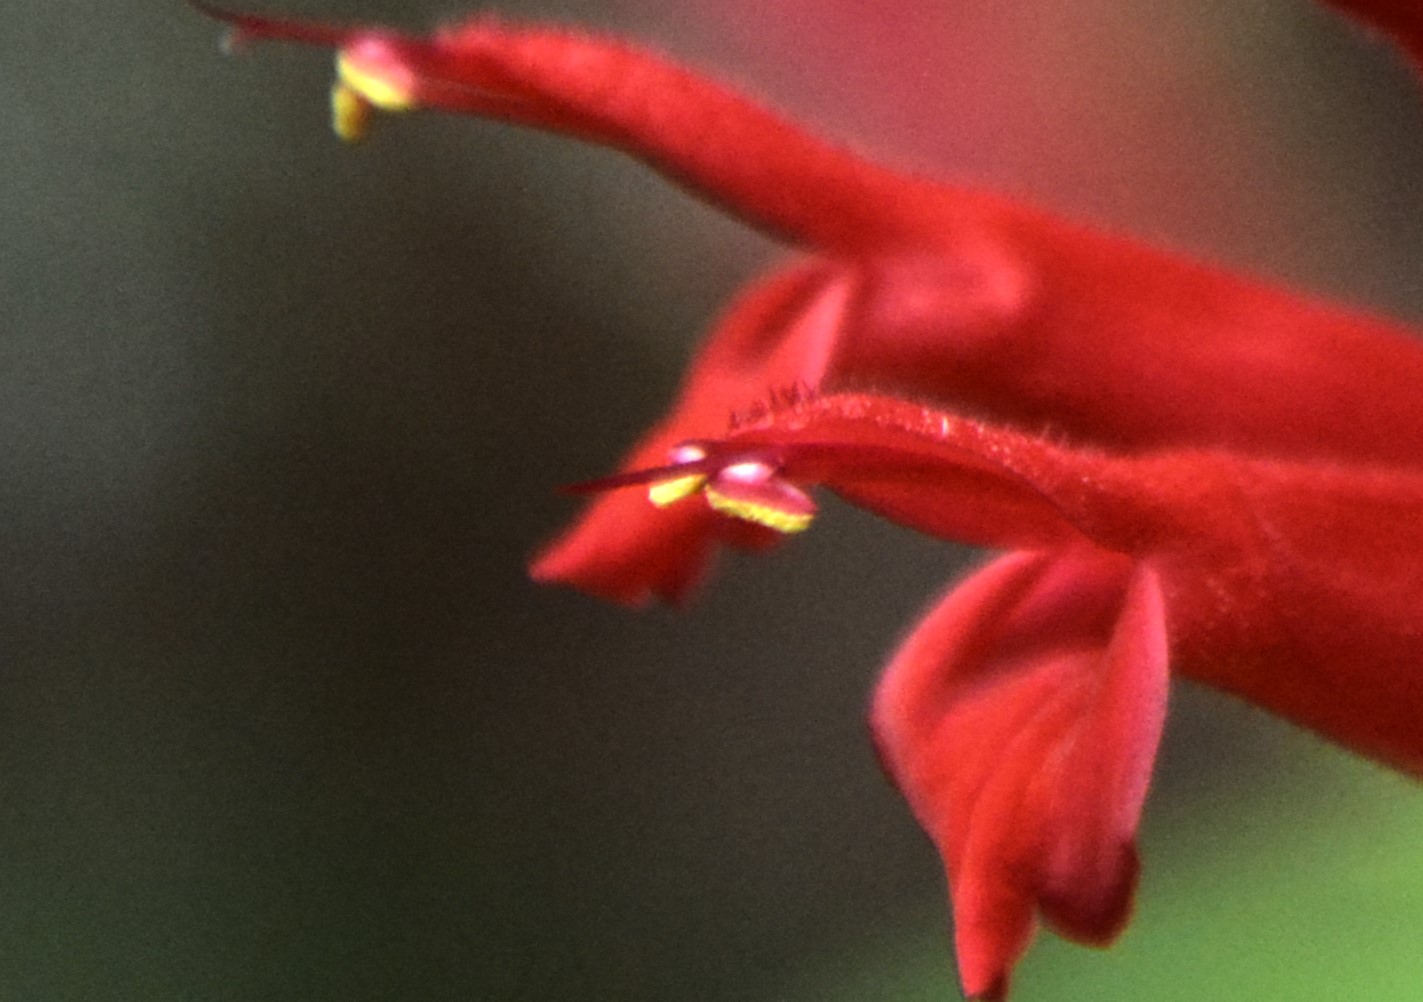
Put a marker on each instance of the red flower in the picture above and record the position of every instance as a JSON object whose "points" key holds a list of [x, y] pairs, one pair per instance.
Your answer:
{"points": [[1239, 493], [1021, 718]]}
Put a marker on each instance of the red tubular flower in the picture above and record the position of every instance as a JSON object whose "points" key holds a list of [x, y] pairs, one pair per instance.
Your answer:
{"points": [[1021, 718], [938, 293], [1238, 496]]}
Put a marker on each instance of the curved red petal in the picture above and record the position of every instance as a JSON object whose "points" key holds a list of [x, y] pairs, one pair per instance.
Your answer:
{"points": [[933, 471], [1294, 585], [776, 335], [1021, 719], [627, 551], [1091, 866]]}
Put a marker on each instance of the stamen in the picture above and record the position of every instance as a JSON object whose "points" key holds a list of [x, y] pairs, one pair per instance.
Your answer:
{"points": [[350, 113], [754, 491], [386, 91], [749, 489], [361, 88], [669, 492]]}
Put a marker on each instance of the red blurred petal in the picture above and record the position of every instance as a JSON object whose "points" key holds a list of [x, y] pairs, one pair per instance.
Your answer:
{"points": [[258, 27], [1020, 720], [969, 300], [1401, 18]]}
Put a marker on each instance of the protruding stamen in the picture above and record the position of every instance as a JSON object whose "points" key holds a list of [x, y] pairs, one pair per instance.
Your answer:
{"points": [[361, 88], [748, 488], [753, 491], [668, 492], [361, 71], [350, 113]]}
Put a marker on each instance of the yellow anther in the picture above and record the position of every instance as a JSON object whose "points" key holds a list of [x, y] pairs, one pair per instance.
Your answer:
{"points": [[671, 491], [376, 89], [359, 91], [768, 515], [350, 113]]}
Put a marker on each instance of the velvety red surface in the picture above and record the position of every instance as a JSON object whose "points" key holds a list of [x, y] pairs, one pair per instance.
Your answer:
{"points": [[1197, 471]]}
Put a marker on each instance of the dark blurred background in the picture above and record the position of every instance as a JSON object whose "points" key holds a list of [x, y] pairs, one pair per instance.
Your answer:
{"points": [[280, 716]]}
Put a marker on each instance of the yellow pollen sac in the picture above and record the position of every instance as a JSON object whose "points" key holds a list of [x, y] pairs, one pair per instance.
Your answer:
{"points": [[350, 113], [357, 92], [768, 515], [379, 90], [671, 491]]}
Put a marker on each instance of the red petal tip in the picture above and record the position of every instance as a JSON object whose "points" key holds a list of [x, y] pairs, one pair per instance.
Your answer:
{"points": [[256, 27], [995, 992]]}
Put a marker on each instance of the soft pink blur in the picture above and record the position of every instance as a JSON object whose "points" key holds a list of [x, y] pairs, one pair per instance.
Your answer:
{"points": [[1215, 128]]}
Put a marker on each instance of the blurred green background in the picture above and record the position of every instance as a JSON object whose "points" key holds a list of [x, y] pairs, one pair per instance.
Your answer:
{"points": [[280, 717]]}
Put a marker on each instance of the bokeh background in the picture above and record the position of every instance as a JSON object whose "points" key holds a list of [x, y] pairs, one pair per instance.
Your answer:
{"points": [[280, 716]]}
